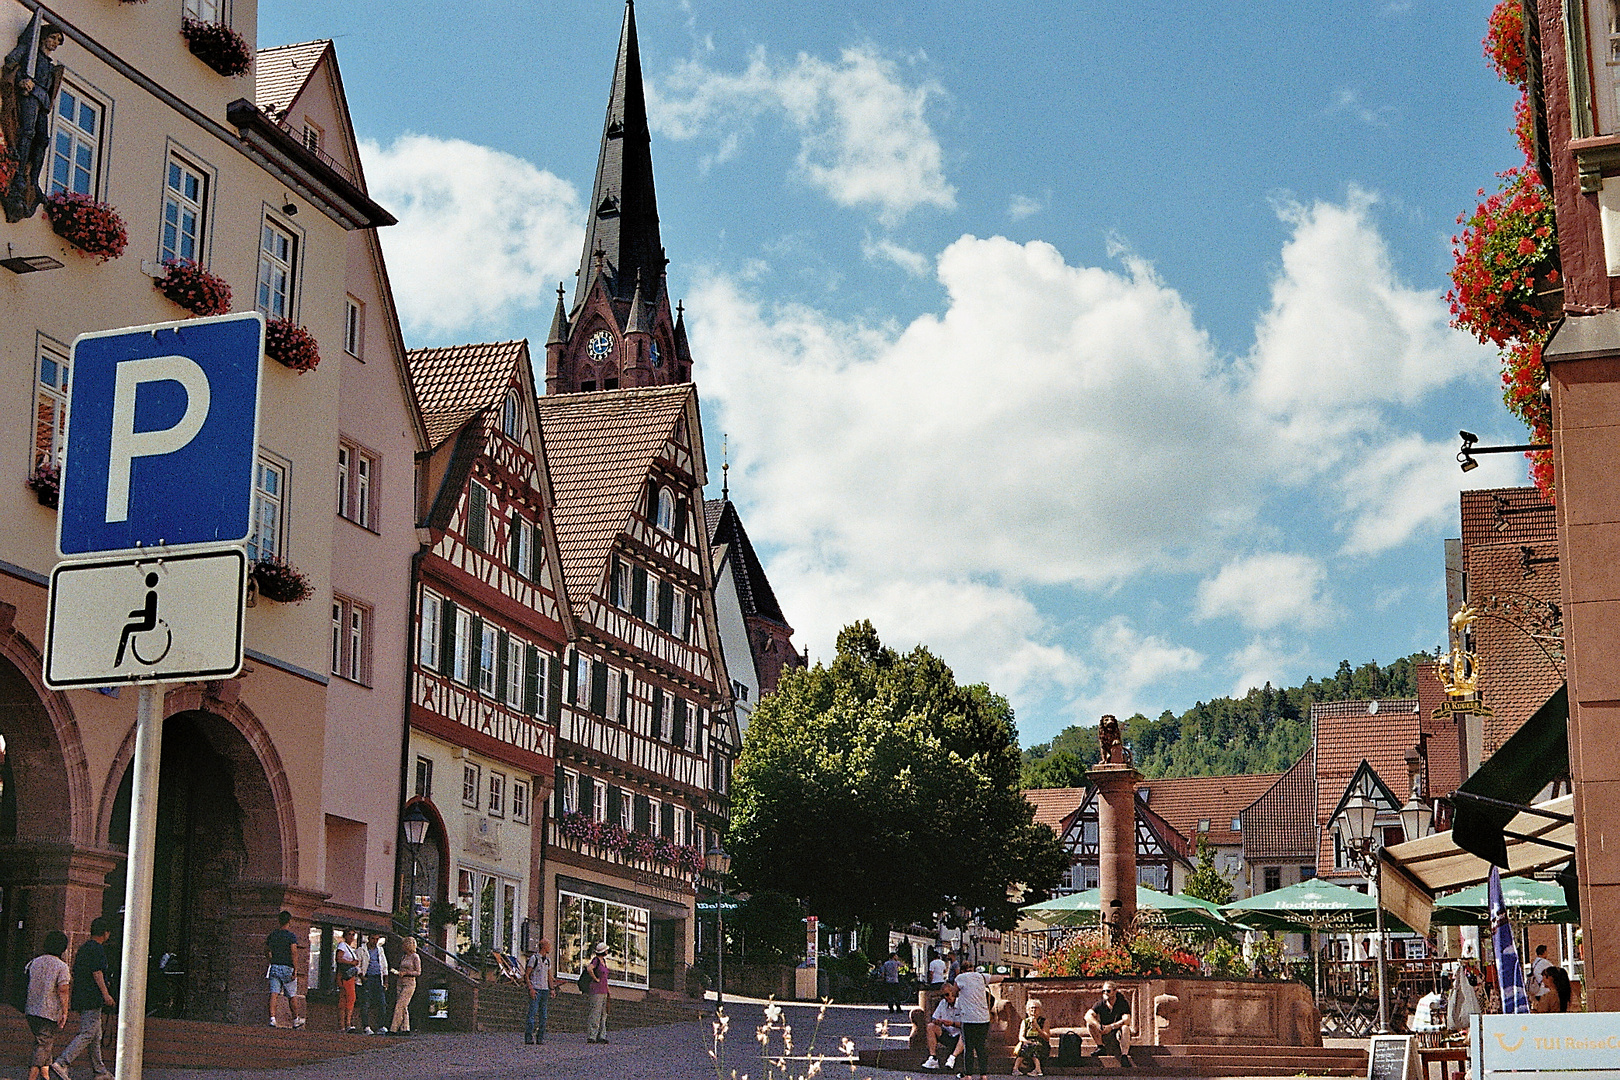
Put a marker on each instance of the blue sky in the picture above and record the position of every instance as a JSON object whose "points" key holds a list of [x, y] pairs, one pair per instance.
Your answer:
{"points": [[1102, 348]]}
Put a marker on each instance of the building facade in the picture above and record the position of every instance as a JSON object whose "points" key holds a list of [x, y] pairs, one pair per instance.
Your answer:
{"points": [[199, 173]]}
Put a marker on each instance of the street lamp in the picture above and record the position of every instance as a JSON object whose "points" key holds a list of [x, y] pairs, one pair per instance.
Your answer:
{"points": [[415, 823], [1355, 826], [1416, 817], [718, 863]]}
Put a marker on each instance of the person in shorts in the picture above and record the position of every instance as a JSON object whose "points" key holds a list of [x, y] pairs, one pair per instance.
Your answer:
{"points": [[1109, 1024], [49, 984], [278, 949], [945, 1026]]}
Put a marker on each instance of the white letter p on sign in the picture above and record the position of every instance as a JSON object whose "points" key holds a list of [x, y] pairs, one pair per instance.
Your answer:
{"points": [[129, 444]]}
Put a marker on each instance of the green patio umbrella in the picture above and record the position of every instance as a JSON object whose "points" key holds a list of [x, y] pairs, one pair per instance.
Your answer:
{"points": [[1309, 906], [1080, 909], [1527, 900]]}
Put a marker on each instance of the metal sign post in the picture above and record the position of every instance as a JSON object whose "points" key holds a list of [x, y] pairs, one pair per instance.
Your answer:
{"points": [[157, 488]]}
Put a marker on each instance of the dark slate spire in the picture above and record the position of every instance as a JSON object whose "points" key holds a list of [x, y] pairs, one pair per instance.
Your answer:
{"points": [[559, 321], [624, 208]]}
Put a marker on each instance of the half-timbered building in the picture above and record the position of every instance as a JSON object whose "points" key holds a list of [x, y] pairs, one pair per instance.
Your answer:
{"points": [[1163, 855], [646, 734], [491, 626]]}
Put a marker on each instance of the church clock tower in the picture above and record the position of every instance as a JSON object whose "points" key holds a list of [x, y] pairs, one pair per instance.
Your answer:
{"points": [[621, 331]]}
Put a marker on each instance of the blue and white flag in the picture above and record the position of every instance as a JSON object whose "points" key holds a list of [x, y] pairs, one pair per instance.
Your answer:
{"points": [[1509, 971]]}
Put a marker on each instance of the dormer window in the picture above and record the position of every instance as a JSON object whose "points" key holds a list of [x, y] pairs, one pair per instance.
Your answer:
{"points": [[666, 510]]}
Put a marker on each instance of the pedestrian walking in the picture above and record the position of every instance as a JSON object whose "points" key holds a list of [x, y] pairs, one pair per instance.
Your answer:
{"points": [[405, 976], [597, 995], [90, 993], [937, 969], [348, 972], [537, 974], [891, 981], [50, 983], [278, 950]]}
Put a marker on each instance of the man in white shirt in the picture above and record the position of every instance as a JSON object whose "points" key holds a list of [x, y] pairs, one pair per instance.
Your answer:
{"points": [[1538, 985], [946, 1024], [936, 972]]}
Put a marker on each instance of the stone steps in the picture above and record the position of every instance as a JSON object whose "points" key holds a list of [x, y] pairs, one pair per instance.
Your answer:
{"points": [[1184, 1060]]}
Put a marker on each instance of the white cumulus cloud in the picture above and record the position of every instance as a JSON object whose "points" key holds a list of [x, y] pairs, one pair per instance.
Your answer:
{"points": [[1266, 591], [480, 232], [864, 136]]}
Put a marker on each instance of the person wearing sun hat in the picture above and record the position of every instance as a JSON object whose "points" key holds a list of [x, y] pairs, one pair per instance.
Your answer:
{"points": [[597, 995]]}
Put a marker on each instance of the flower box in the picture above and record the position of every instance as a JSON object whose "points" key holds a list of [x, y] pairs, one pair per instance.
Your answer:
{"points": [[280, 582], [194, 288], [46, 483], [290, 345], [93, 227], [218, 46]]}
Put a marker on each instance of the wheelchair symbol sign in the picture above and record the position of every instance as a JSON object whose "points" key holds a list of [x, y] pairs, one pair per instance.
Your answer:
{"points": [[146, 619]]}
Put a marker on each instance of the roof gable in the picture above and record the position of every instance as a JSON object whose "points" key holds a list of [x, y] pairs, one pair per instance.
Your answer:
{"points": [[729, 539], [456, 383], [280, 74], [1186, 801], [600, 450]]}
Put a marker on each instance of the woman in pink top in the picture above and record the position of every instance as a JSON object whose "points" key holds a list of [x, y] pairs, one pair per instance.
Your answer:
{"points": [[596, 1017]]}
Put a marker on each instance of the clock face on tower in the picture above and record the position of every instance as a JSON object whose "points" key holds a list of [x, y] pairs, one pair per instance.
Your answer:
{"points": [[657, 357], [600, 345]]}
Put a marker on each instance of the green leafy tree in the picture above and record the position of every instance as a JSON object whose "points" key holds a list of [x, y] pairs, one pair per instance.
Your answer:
{"points": [[769, 927], [878, 791], [1206, 882]]}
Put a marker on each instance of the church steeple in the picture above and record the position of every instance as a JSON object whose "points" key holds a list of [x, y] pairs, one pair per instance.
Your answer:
{"points": [[623, 224], [620, 332]]}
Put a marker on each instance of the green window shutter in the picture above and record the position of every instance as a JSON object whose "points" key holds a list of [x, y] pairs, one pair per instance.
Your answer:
{"points": [[447, 637], [643, 814], [678, 735], [652, 500], [657, 728], [615, 582], [666, 822], [477, 513], [587, 795], [638, 592], [531, 680], [557, 808], [513, 547], [666, 605], [537, 556], [615, 804], [554, 685], [501, 640], [573, 677], [599, 673], [475, 642]]}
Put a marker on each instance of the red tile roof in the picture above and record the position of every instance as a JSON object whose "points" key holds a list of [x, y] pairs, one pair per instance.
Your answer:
{"points": [[1185, 801], [1445, 751], [1505, 515], [455, 383], [1054, 805], [1345, 733], [600, 447], [1518, 636], [281, 73], [1280, 825]]}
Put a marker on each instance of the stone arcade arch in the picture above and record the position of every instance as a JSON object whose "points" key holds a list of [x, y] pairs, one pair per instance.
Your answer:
{"points": [[51, 870], [227, 855]]}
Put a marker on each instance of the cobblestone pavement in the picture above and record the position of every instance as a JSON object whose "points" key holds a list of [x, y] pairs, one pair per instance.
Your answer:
{"points": [[669, 1052]]}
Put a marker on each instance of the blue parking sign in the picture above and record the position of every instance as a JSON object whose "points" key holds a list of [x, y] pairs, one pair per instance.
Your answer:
{"points": [[163, 431]]}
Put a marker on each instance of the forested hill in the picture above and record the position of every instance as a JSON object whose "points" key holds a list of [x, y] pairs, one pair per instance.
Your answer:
{"points": [[1266, 730]]}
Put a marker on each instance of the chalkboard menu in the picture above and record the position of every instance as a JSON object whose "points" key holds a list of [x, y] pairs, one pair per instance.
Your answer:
{"points": [[1389, 1057]]}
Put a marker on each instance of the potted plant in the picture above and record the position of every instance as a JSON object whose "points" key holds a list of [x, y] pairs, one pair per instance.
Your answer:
{"points": [[290, 345], [194, 288], [46, 482], [280, 581], [218, 46], [443, 913], [93, 227]]}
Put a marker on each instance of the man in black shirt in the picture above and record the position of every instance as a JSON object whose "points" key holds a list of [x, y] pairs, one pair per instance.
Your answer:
{"points": [[90, 993], [278, 949], [1109, 1024]]}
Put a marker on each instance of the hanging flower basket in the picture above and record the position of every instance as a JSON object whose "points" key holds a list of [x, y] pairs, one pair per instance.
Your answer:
{"points": [[1507, 253], [290, 345], [93, 227], [46, 483], [281, 582], [218, 46], [194, 288]]}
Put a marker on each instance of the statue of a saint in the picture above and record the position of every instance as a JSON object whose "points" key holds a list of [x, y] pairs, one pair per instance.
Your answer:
{"points": [[28, 85]]}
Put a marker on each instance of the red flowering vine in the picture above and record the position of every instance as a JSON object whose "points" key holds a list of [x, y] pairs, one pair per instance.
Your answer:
{"points": [[1504, 42]]}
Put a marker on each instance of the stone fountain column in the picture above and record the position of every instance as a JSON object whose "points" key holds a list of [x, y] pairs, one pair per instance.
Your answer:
{"points": [[1115, 777]]}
